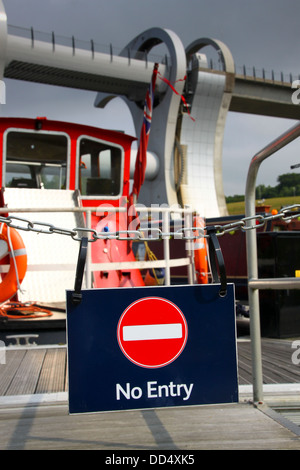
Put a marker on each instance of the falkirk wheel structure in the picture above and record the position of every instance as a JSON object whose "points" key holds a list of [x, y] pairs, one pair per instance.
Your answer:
{"points": [[184, 159], [184, 153]]}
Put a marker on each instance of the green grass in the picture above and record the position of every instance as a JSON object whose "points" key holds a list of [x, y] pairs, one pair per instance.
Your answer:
{"points": [[237, 208]]}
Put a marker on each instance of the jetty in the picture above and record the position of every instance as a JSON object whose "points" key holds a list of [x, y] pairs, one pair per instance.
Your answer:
{"points": [[34, 411]]}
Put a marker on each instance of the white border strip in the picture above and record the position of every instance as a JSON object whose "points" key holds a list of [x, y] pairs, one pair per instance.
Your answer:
{"points": [[272, 388], [35, 399], [45, 398]]}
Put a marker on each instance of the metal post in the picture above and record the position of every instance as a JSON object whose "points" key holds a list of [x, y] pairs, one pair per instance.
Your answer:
{"points": [[251, 245], [188, 222], [165, 227], [88, 272]]}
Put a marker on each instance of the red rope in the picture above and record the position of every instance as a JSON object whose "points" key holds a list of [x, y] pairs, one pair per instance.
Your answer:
{"points": [[17, 310], [175, 91]]}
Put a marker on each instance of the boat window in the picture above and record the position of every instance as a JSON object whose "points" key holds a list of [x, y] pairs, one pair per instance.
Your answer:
{"points": [[99, 168], [36, 160]]}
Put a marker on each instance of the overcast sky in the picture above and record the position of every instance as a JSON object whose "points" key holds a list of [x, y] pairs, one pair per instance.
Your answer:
{"points": [[260, 33]]}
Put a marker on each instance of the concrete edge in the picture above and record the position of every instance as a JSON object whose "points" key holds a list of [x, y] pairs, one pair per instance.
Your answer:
{"points": [[245, 391]]}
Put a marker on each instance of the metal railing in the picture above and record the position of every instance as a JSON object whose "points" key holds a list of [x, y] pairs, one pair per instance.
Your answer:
{"points": [[254, 284], [74, 44], [167, 263], [93, 47]]}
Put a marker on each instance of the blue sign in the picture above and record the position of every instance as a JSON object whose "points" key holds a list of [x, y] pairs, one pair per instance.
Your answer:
{"points": [[149, 347]]}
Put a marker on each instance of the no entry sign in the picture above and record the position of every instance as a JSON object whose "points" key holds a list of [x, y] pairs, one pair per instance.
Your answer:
{"points": [[152, 332], [147, 347]]}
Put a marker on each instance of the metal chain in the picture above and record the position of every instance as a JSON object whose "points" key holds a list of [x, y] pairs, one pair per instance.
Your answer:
{"points": [[186, 233]]}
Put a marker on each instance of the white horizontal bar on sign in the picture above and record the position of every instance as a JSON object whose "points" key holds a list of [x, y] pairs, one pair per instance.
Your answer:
{"points": [[150, 332], [139, 264]]}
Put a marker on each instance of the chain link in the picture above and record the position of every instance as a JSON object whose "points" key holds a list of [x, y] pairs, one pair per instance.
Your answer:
{"points": [[286, 215]]}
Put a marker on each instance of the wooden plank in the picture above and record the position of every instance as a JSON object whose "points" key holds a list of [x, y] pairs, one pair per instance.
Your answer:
{"points": [[276, 362], [67, 376], [26, 377], [244, 363], [13, 358], [245, 376], [52, 377], [33, 371]]}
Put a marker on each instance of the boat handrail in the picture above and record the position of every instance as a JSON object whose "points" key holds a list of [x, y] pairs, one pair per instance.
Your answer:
{"points": [[167, 263], [254, 283]]}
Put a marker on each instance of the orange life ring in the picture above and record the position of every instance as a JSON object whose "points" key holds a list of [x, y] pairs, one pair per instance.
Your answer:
{"points": [[200, 253], [18, 263]]}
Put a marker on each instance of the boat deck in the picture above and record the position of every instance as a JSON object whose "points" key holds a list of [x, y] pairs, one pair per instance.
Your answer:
{"points": [[34, 410], [160, 432], [36, 370]]}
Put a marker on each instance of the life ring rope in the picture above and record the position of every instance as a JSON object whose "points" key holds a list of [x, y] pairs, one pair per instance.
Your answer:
{"points": [[18, 310]]}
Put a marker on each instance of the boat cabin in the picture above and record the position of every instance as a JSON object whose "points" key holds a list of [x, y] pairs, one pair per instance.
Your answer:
{"points": [[60, 165], [43, 154]]}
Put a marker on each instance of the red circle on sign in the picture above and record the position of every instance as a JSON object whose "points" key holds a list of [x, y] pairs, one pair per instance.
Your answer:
{"points": [[152, 332]]}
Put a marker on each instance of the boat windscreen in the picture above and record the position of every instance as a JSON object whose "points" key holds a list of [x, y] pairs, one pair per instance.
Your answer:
{"points": [[36, 160], [100, 168]]}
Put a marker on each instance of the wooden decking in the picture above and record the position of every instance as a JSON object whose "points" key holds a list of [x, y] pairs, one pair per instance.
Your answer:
{"points": [[37, 370], [181, 431], [38, 425], [34, 371], [277, 363]]}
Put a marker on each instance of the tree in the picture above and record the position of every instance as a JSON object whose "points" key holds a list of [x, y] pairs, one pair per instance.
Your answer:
{"points": [[288, 180], [288, 185]]}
